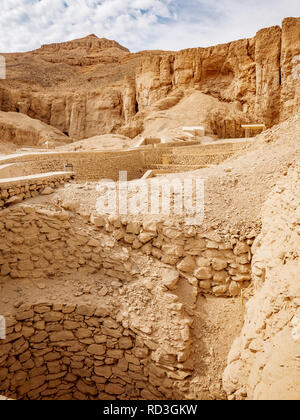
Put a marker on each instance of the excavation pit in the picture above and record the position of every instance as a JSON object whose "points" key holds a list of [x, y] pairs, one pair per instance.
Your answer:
{"points": [[128, 329], [71, 352]]}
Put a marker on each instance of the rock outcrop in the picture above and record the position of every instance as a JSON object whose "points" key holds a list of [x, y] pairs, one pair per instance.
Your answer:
{"points": [[290, 70], [22, 130], [92, 86], [83, 52], [257, 75]]}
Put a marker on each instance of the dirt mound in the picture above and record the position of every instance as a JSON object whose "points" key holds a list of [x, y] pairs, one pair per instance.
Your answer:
{"points": [[21, 130]]}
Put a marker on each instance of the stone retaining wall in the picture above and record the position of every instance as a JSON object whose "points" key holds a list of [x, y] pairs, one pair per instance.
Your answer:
{"points": [[191, 154], [169, 145], [39, 243], [15, 190], [217, 147], [94, 166], [58, 351], [88, 166], [155, 156], [192, 158], [9, 171], [215, 266], [78, 352]]}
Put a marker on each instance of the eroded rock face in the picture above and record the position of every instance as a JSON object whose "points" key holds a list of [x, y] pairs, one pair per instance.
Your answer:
{"points": [[93, 86], [211, 70], [290, 72], [79, 115], [85, 51], [69, 86], [23, 130], [263, 362], [247, 72], [267, 60]]}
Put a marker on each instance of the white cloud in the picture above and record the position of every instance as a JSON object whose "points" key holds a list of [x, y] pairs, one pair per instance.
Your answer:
{"points": [[138, 24]]}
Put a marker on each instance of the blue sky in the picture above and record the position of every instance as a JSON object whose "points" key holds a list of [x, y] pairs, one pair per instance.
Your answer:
{"points": [[138, 24]]}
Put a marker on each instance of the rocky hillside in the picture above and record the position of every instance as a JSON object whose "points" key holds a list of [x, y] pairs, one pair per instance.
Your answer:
{"points": [[94, 86]]}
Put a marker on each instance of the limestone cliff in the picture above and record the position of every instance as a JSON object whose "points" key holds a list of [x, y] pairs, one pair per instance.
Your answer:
{"points": [[290, 72], [93, 86], [257, 74]]}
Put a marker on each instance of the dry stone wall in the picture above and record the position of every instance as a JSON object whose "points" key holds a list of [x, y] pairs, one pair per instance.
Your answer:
{"points": [[78, 352], [38, 242], [95, 166], [59, 246], [211, 264], [199, 155], [47, 343], [191, 158], [11, 170], [16, 190], [42, 244]]}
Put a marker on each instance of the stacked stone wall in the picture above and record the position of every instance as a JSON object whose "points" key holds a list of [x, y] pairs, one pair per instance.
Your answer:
{"points": [[77, 352], [16, 190]]}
